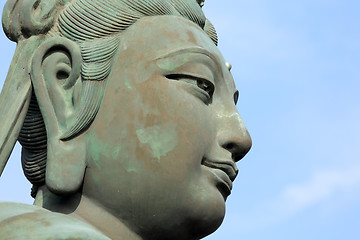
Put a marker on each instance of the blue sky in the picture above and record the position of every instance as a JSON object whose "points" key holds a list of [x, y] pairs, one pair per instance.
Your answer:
{"points": [[297, 67]]}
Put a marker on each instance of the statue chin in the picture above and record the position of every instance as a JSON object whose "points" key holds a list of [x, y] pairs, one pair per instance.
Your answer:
{"points": [[193, 227], [205, 227], [197, 224]]}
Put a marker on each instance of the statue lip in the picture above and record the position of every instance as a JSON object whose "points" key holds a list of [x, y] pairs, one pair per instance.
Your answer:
{"points": [[225, 172]]}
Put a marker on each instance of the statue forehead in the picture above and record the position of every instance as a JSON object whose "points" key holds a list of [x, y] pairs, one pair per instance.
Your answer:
{"points": [[156, 37], [164, 34]]}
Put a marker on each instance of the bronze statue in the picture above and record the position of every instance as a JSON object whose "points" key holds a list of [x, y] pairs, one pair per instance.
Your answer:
{"points": [[125, 110]]}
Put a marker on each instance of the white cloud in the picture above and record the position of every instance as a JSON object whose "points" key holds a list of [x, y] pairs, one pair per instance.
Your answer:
{"points": [[322, 185], [319, 189]]}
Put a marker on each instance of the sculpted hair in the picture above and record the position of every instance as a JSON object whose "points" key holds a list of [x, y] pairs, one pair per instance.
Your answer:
{"points": [[96, 26]]}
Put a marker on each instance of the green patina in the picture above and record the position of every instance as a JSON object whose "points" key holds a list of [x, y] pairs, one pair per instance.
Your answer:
{"points": [[131, 168], [127, 84], [170, 64], [203, 194], [116, 152], [98, 148], [162, 139]]}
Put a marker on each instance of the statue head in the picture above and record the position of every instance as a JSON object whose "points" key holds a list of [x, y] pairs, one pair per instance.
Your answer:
{"points": [[128, 104]]}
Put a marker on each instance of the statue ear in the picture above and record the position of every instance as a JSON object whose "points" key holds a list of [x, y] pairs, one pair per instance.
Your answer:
{"points": [[55, 74]]}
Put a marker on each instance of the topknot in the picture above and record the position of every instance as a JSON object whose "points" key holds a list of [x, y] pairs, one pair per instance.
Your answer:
{"points": [[26, 18]]}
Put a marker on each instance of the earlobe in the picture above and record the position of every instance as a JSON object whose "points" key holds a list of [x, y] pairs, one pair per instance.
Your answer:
{"points": [[55, 75]]}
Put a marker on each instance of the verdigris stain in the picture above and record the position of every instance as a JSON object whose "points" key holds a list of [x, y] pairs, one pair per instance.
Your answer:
{"points": [[127, 84], [162, 139], [170, 65]]}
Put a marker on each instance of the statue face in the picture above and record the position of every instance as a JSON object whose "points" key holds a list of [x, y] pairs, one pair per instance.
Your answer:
{"points": [[160, 149]]}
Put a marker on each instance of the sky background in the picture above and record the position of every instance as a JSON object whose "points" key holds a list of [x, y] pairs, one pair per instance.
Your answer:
{"points": [[297, 67]]}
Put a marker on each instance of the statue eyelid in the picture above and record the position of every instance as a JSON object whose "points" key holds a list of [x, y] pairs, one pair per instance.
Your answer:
{"points": [[211, 59], [194, 76], [201, 82]]}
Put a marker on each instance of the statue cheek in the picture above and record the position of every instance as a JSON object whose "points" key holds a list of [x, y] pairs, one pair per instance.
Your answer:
{"points": [[158, 139]]}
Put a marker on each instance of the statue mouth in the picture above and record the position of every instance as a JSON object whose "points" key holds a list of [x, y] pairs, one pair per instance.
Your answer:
{"points": [[224, 173]]}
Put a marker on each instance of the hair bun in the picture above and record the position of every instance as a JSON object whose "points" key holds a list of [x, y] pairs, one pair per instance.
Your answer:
{"points": [[25, 18]]}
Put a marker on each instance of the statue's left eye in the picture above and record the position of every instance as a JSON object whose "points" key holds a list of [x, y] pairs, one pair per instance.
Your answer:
{"points": [[206, 86], [202, 83], [236, 97]]}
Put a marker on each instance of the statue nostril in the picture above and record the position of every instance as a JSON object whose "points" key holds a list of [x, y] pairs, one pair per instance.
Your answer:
{"points": [[229, 146], [238, 147]]}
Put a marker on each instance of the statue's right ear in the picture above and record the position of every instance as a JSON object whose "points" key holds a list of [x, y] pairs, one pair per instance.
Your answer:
{"points": [[55, 75]]}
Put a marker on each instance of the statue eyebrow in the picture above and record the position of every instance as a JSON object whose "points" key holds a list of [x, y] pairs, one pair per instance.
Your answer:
{"points": [[193, 50]]}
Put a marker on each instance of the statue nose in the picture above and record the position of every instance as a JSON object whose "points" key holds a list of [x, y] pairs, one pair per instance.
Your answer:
{"points": [[235, 138], [238, 147]]}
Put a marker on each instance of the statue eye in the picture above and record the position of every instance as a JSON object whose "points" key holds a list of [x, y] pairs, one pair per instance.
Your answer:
{"points": [[200, 82], [206, 86], [236, 97]]}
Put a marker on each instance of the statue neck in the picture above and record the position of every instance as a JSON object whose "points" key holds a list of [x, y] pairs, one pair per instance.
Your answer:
{"points": [[86, 210]]}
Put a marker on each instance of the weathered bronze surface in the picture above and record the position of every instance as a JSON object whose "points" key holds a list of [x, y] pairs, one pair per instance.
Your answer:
{"points": [[126, 114]]}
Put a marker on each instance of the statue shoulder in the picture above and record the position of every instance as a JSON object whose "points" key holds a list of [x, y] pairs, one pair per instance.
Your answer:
{"points": [[20, 221]]}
